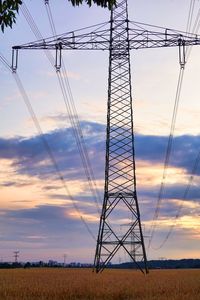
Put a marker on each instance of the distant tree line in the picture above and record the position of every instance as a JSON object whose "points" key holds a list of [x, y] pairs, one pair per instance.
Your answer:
{"points": [[152, 264], [41, 264], [164, 264]]}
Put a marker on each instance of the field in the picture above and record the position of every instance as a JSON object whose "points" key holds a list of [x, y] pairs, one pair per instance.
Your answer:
{"points": [[64, 284]]}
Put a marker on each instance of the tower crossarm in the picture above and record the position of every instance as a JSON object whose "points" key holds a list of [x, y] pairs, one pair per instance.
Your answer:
{"points": [[142, 39], [99, 39], [73, 40]]}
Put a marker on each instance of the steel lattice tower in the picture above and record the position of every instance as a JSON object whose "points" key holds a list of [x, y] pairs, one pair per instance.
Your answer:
{"points": [[120, 205], [120, 179]]}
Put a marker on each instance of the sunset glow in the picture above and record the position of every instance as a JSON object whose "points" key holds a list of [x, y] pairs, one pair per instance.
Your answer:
{"points": [[47, 195]]}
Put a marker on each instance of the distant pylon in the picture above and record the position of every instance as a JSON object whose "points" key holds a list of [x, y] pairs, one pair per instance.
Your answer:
{"points": [[16, 256], [65, 257], [120, 197]]}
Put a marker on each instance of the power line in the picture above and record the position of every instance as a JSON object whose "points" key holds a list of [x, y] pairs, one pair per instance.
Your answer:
{"points": [[167, 155], [44, 140], [185, 194], [75, 114], [190, 16], [74, 117], [195, 29], [48, 149], [172, 227], [69, 103], [170, 140]]}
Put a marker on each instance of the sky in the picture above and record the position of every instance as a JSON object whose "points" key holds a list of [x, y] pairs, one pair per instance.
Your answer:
{"points": [[36, 216]]}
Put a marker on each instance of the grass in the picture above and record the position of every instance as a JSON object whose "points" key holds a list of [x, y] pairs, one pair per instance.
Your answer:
{"points": [[67, 284]]}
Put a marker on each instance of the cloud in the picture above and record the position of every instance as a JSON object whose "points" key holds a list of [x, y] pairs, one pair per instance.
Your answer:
{"points": [[171, 191], [8, 183], [15, 183], [46, 231], [43, 223], [153, 148], [29, 156]]}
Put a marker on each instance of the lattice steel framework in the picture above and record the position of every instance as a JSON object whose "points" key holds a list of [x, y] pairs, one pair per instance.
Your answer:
{"points": [[120, 180], [120, 204]]}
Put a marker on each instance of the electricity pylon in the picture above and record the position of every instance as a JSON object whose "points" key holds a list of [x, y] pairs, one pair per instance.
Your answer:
{"points": [[120, 179], [16, 256], [118, 36]]}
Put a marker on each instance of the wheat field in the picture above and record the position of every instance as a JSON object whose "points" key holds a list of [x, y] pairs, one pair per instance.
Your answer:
{"points": [[64, 284]]}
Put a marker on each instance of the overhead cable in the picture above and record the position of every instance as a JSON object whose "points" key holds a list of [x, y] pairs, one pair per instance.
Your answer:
{"points": [[78, 131], [44, 140], [170, 141], [70, 106], [167, 155], [196, 162]]}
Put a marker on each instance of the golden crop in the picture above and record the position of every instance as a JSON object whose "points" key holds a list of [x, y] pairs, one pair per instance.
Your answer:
{"points": [[64, 284]]}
